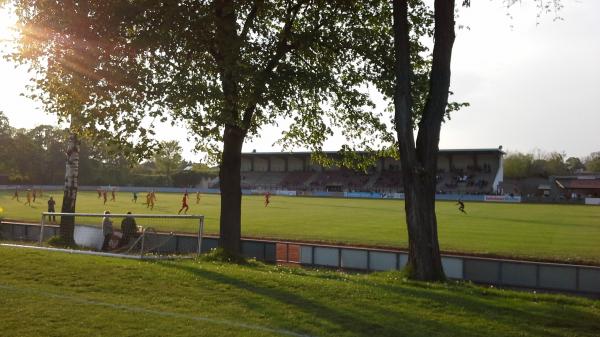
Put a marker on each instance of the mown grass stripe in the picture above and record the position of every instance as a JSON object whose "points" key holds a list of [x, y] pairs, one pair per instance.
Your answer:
{"points": [[79, 300]]}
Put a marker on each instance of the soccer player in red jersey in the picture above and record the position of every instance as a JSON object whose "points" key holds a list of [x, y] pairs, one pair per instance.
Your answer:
{"points": [[184, 203]]}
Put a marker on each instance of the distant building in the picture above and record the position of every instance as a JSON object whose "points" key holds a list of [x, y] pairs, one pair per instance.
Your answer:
{"points": [[577, 187]]}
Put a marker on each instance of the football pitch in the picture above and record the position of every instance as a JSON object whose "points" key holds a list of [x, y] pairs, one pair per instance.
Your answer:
{"points": [[568, 233], [59, 294]]}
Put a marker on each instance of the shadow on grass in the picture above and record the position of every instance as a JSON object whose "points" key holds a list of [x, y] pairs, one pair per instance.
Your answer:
{"points": [[535, 314], [421, 310], [315, 311]]}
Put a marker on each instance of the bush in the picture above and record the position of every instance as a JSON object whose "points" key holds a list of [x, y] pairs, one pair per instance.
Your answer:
{"points": [[58, 242], [220, 255]]}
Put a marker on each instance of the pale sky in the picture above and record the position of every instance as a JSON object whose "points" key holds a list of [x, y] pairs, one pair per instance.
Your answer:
{"points": [[530, 86]]}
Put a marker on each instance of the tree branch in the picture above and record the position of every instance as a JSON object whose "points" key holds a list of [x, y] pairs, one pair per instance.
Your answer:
{"points": [[281, 49], [439, 84], [402, 89], [250, 20]]}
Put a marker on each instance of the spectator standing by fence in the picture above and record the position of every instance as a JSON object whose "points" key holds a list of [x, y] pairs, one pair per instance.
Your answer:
{"points": [[107, 231], [128, 228], [51, 204]]}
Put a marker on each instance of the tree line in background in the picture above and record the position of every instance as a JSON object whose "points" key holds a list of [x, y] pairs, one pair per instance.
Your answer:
{"points": [[37, 156], [519, 165]]}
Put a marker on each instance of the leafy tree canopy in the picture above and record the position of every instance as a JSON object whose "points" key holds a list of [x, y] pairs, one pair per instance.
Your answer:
{"points": [[592, 162], [116, 69]]}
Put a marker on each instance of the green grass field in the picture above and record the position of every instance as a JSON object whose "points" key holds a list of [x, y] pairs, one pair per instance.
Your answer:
{"points": [[58, 294], [551, 232]]}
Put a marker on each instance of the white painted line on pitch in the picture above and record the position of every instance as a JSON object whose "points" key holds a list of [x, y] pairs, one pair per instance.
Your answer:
{"points": [[216, 321], [90, 252], [73, 251]]}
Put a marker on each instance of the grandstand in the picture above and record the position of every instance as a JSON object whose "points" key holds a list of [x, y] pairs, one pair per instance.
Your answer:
{"points": [[467, 171]]}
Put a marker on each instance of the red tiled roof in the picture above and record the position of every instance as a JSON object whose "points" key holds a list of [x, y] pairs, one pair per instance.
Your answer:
{"points": [[579, 183]]}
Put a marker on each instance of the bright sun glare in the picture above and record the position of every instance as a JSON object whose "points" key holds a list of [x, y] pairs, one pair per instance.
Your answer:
{"points": [[7, 24]]}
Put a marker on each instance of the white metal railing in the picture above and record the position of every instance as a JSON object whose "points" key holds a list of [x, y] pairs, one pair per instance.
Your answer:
{"points": [[139, 216]]}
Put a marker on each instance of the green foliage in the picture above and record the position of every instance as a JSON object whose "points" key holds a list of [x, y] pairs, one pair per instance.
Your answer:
{"points": [[220, 255], [190, 178], [36, 156], [592, 162], [519, 165], [32, 156], [574, 164], [168, 158], [5, 128], [120, 67], [58, 242]]}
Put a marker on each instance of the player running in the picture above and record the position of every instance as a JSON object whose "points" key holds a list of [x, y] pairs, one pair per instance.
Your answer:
{"points": [[267, 198], [16, 195], [113, 196], [134, 197], [197, 198], [184, 203], [153, 198], [150, 199], [461, 206], [104, 196], [34, 195], [28, 202], [99, 193], [148, 196]]}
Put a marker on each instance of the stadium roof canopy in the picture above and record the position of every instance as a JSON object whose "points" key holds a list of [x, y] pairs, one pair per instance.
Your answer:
{"points": [[443, 151]]}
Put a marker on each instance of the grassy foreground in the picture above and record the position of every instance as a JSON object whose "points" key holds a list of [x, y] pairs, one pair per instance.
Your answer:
{"points": [[59, 294], [567, 233]]}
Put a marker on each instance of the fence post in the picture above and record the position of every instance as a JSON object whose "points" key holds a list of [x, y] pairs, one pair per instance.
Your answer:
{"points": [[200, 235], [42, 230]]}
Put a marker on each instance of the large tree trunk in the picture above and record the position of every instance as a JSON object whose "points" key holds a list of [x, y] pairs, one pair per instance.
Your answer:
{"points": [[231, 190], [424, 259], [227, 57], [419, 161], [67, 223]]}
